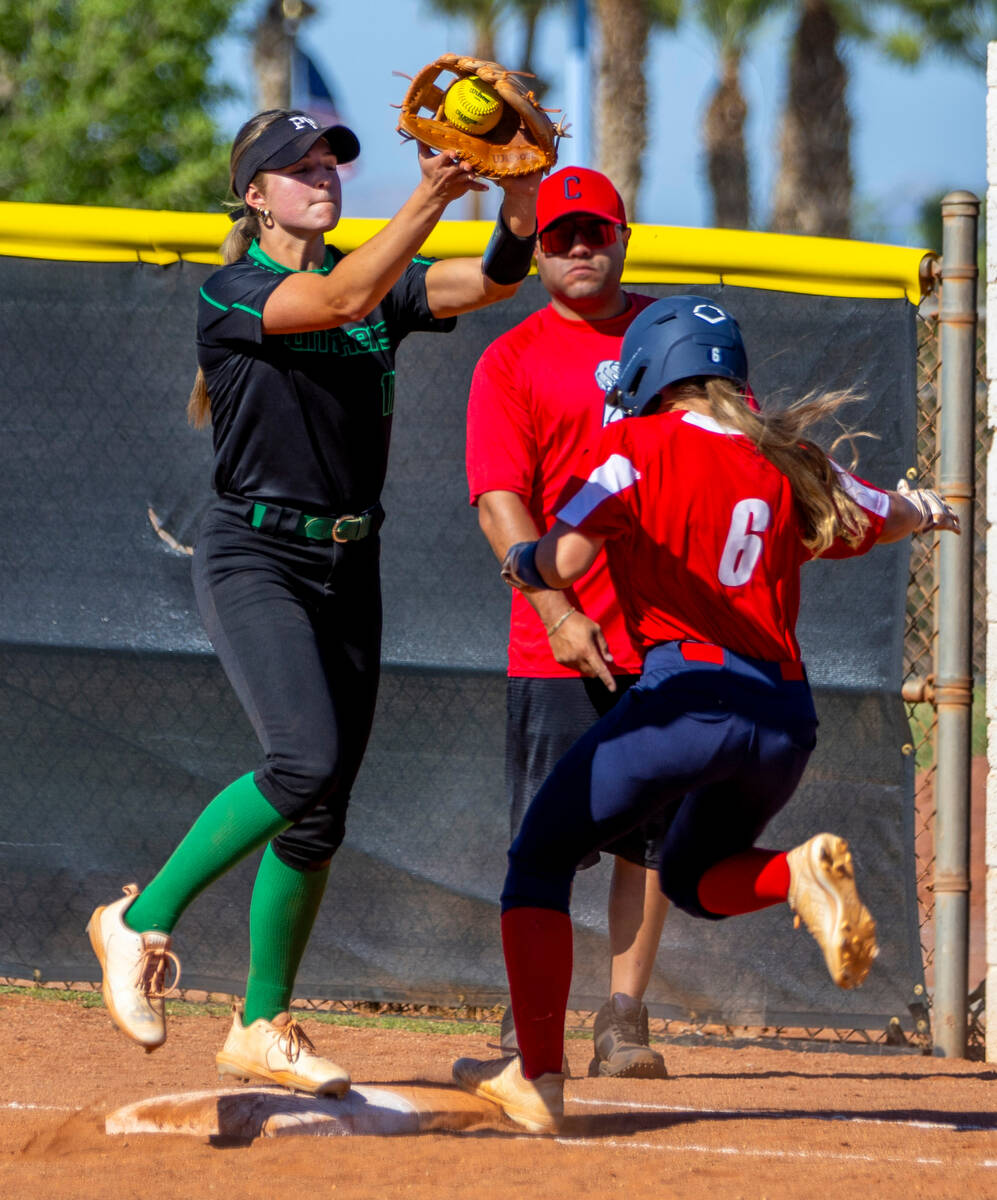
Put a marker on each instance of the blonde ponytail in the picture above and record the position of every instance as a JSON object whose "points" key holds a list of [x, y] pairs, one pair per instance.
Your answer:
{"points": [[238, 240], [826, 510], [241, 236], [199, 402]]}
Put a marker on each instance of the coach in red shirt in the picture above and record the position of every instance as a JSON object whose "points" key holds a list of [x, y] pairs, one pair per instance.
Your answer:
{"points": [[537, 403]]}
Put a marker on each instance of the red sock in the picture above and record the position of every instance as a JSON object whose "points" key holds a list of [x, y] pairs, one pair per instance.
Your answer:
{"points": [[538, 951], [745, 882]]}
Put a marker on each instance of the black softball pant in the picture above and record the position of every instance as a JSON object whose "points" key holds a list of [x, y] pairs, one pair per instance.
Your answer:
{"points": [[297, 628]]}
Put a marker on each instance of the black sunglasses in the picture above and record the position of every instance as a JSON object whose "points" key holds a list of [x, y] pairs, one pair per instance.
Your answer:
{"points": [[594, 232]]}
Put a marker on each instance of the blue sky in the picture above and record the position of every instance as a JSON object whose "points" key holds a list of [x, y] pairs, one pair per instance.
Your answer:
{"points": [[915, 132]]}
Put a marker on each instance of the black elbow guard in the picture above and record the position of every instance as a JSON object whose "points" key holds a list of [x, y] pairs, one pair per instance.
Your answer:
{"points": [[507, 257]]}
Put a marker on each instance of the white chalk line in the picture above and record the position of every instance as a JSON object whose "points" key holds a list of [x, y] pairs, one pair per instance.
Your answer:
{"points": [[793, 1155], [16, 1104], [801, 1155], [781, 1114]]}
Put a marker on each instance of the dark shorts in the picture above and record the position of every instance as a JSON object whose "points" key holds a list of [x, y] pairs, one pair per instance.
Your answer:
{"points": [[544, 719], [716, 749], [297, 628]]}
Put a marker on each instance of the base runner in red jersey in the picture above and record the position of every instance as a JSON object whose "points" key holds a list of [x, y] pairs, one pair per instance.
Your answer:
{"points": [[707, 510]]}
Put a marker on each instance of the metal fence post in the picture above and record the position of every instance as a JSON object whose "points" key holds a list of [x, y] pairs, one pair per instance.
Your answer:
{"points": [[954, 653]]}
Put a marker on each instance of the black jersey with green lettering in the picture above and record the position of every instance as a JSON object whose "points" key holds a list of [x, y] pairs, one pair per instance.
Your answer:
{"points": [[303, 419]]}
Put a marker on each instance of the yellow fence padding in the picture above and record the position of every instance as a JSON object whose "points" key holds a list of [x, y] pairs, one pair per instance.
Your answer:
{"points": [[657, 254]]}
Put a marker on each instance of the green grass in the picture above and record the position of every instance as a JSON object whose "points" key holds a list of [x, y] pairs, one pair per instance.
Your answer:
{"points": [[83, 999], [187, 1008]]}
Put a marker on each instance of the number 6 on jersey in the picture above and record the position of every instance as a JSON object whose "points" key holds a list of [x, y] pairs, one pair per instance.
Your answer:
{"points": [[743, 548]]}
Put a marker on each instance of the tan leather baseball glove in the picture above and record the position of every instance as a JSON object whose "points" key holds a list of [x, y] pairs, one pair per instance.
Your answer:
{"points": [[523, 140]]}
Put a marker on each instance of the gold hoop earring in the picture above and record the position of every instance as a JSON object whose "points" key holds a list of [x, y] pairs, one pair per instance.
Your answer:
{"points": [[266, 217]]}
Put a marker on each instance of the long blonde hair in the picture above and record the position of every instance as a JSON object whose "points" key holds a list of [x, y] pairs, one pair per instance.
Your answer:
{"points": [[825, 509], [238, 240]]}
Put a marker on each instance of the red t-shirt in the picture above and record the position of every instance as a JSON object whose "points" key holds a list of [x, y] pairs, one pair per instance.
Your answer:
{"points": [[702, 533], [536, 403]]}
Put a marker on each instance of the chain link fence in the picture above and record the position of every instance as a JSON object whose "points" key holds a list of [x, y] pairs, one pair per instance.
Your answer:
{"points": [[920, 636], [919, 665]]}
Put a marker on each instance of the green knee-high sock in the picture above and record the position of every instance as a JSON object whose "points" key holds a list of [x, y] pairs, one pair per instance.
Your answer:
{"points": [[283, 910], [239, 820]]}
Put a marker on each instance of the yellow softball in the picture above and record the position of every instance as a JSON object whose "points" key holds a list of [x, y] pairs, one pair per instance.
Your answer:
{"points": [[472, 105]]}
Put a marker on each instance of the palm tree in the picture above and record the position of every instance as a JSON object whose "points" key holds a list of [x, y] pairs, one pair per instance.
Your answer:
{"points": [[273, 46], [729, 24], [962, 28], [484, 15], [530, 12], [813, 188], [625, 26]]}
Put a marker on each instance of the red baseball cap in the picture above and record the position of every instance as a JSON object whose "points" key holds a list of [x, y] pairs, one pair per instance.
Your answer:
{"points": [[578, 190]]}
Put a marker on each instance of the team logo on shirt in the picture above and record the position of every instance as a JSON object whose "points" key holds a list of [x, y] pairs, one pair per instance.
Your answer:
{"points": [[607, 373], [709, 313], [359, 339]]}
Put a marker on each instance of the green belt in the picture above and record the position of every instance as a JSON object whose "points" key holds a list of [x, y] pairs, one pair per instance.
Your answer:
{"points": [[322, 529]]}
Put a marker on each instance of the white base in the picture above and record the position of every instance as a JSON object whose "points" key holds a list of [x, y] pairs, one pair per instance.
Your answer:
{"points": [[247, 1113]]}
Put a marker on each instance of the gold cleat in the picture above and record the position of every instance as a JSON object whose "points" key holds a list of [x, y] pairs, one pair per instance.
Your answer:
{"points": [[822, 892], [280, 1052], [535, 1104]]}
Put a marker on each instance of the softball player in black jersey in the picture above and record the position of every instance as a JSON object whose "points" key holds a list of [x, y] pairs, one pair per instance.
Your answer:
{"points": [[296, 346]]}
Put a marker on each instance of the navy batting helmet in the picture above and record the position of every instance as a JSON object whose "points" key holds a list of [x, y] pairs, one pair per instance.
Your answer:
{"points": [[676, 338]]}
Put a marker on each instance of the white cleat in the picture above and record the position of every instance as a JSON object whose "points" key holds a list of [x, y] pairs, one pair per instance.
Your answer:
{"points": [[134, 969]]}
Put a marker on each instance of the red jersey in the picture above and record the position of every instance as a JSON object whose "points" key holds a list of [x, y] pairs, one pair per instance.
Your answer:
{"points": [[702, 533], [537, 402]]}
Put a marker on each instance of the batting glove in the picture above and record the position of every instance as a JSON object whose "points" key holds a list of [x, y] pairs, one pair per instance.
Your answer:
{"points": [[932, 510]]}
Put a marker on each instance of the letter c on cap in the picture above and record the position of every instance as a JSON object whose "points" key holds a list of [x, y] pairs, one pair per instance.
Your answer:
{"points": [[568, 194]]}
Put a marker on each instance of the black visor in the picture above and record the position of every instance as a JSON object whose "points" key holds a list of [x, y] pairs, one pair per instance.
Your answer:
{"points": [[287, 140]]}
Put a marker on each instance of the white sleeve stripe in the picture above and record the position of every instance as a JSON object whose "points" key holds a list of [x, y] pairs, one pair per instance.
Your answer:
{"points": [[871, 499], [615, 475], [702, 421]]}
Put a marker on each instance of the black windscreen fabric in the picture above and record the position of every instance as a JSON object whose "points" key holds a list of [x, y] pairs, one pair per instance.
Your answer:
{"points": [[117, 725]]}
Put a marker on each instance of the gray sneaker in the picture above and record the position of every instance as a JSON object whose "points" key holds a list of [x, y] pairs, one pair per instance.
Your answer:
{"points": [[509, 1042], [621, 1042]]}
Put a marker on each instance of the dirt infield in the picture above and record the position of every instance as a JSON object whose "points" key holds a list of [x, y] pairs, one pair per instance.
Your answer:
{"points": [[733, 1122]]}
